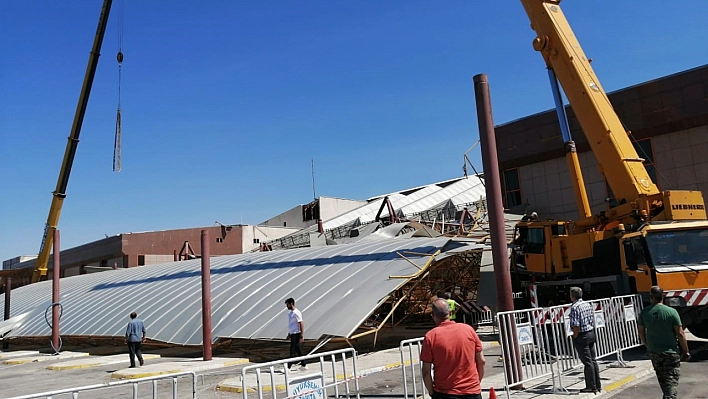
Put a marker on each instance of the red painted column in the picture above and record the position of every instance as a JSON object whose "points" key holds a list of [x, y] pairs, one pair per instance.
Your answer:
{"points": [[56, 275], [6, 315], [206, 297], [492, 185]]}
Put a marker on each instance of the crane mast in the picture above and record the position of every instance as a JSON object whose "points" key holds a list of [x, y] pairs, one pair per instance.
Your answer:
{"points": [[40, 270], [618, 160]]}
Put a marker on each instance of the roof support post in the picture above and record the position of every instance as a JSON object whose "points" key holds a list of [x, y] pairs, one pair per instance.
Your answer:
{"points": [[56, 275], [6, 315], [492, 180], [206, 298]]}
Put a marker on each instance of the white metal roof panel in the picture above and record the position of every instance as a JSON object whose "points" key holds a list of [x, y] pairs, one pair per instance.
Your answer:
{"points": [[336, 287], [463, 191]]}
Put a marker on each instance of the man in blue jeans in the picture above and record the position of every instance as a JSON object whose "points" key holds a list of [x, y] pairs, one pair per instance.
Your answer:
{"points": [[134, 337]]}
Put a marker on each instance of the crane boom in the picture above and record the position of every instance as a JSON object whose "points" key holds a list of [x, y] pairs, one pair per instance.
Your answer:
{"points": [[627, 177], [40, 270]]}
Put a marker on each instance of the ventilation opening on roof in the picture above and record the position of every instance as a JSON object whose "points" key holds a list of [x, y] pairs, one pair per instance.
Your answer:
{"points": [[409, 192], [446, 183]]}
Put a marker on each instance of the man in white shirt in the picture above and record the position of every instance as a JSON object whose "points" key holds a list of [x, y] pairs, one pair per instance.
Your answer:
{"points": [[296, 331]]}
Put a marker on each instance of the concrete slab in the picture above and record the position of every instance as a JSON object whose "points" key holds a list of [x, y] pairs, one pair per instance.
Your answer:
{"points": [[195, 365], [95, 361], [7, 355], [45, 358]]}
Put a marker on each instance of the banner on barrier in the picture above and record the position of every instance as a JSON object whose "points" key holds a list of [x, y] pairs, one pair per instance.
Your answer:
{"points": [[599, 319], [524, 334], [629, 314], [307, 387]]}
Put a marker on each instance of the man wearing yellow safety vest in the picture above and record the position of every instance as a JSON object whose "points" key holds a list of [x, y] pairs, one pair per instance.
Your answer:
{"points": [[452, 304]]}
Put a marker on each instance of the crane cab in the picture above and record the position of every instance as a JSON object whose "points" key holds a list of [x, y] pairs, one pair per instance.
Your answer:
{"points": [[536, 249]]}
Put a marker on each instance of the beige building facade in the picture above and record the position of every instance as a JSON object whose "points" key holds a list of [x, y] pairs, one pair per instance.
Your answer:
{"points": [[668, 120]]}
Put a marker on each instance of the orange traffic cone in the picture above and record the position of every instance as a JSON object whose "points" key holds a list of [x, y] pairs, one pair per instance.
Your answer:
{"points": [[492, 394]]}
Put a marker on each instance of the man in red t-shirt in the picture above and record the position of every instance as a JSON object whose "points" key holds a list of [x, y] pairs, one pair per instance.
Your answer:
{"points": [[454, 349]]}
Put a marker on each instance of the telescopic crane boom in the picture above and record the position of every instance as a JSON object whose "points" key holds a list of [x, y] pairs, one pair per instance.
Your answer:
{"points": [[40, 270], [651, 237]]}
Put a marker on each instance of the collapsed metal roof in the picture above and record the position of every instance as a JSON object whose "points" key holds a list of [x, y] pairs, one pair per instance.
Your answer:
{"points": [[336, 287], [438, 202]]}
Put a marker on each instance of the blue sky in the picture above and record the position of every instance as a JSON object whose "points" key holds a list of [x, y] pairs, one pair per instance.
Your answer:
{"points": [[224, 103]]}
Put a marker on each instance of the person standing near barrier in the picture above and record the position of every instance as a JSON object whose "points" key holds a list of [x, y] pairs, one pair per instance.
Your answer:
{"points": [[134, 337], [296, 331], [455, 351], [582, 321], [453, 305], [660, 330]]}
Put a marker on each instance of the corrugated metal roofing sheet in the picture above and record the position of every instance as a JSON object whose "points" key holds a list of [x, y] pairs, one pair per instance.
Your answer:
{"points": [[336, 287]]}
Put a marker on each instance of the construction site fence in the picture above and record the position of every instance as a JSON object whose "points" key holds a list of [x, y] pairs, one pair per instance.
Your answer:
{"points": [[328, 373], [537, 343], [135, 383], [411, 367]]}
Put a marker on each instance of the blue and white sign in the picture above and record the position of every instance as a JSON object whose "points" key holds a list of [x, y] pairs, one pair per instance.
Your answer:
{"points": [[307, 387], [599, 319], [629, 314], [524, 334]]}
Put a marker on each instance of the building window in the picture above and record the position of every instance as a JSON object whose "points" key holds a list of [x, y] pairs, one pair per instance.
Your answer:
{"points": [[219, 239], [256, 240], [141, 260], [311, 211], [645, 150], [512, 187]]}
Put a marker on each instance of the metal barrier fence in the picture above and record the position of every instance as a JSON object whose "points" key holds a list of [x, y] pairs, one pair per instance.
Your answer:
{"points": [[74, 392], [481, 318], [410, 360], [332, 369], [547, 335], [524, 345]]}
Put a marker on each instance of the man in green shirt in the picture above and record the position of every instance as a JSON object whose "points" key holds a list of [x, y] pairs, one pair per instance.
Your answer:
{"points": [[661, 332]]}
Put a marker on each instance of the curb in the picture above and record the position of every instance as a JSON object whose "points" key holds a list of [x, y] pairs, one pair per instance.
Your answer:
{"points": [[43, 358], [131, 376], [121, 376], [95, 362]]}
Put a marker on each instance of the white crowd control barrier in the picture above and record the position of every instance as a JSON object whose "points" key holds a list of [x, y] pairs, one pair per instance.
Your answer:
{"points": [[626, 313], [482, 318], [75, 392], [411, 366], [547, 335], [524, 344], [333, 371]]}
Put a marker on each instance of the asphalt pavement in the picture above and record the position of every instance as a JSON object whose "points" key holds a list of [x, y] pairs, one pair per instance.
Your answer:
{"points": [[692, 383]]}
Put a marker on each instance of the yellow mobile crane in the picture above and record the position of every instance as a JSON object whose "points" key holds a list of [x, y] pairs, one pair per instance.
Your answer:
{"points": [[650, 238], [40, 270]]}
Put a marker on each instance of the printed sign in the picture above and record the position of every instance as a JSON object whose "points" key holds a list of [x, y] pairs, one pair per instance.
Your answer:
{"points": [[568, 328], [306, 387], [524, 334], [599, 319], [629, 313]]}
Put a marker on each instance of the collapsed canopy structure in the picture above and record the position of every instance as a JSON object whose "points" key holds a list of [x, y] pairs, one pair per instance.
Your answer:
{"points": [[338, 288]]}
